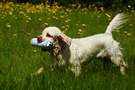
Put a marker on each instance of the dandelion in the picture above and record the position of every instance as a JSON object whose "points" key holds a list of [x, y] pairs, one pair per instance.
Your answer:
{"points": [[46, 24], [108, 15], [66, 29], [125, 32], [63, 31], [85, 13], [63, 26], [27, 21], [80, 30], [8, 26], [84, 25], [56, 18], [98, 16], [40, 19], [28, 34], [67, 25], [129, 34], [109, 19], [79, 33], [76, 24], [102, 8], [53, 12], [66, 21], [130, 25], [34, 51], [29, 18], [14, 35], [117, 30], [61, 16], [129, 6], [10, 13]]}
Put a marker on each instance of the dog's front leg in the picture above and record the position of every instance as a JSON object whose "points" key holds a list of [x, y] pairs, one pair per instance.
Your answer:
{"points": [[40, 71]]}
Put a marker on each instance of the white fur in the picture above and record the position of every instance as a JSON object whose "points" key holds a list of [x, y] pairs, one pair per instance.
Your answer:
{"points": [[72, 53]]}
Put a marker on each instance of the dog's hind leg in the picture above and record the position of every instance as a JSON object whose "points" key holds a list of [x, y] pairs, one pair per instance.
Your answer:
{"points": [[117, 57]]}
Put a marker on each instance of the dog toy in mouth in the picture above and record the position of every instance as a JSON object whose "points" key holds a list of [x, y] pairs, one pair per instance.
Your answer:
{"points": [[45, 44]]}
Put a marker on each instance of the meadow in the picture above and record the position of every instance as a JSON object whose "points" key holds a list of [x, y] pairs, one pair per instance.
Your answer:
{"points": [[19, 23]]}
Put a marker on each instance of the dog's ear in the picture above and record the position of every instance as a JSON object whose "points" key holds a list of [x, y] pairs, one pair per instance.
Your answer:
{"points": [[63, 39]]}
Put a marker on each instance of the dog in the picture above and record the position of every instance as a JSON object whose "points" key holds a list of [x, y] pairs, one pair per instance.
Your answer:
{"points": [[73, 53]]}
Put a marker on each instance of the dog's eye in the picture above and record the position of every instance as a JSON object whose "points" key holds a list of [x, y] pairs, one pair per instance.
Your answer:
{"points": [[48, 35]]}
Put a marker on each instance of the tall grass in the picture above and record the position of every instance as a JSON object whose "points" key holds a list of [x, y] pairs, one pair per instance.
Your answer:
{"points": [[19, 23]]}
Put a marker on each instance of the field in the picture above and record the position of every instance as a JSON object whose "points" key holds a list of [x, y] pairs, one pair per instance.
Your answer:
{"points": [[19, 23]]}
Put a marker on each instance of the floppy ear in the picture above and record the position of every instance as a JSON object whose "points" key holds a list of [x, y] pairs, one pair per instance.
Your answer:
{"points": [[63, 39]]}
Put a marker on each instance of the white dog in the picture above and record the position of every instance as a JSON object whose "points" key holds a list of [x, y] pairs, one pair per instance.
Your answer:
{"points": [[72, 53]]}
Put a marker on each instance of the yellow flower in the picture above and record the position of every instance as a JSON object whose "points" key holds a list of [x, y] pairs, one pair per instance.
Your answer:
{"points": [[53, 12], [98, 16], [66, 29], [117, 30], [46, 24], [102, 8], [79, 33], [109, 19], [14, 35], [34, 51], [63, 31], [40, 19], [129, 34], [61, 16], [66, 21], [56, 18], [84, 25], [131, 25], [67, 25], [125, 32], [76, 24], [129, 6], [27, 21], [80, 30], [9, 26], [63, 26], [28, 34], [10, 13], [85, 12], [29, 18], [108, 15]]}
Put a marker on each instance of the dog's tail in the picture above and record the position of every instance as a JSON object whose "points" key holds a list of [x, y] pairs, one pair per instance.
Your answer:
{"points": [[118, 22]]}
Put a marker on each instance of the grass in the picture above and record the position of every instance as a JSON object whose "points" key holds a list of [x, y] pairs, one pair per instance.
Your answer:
{"points": [[19, 23]]}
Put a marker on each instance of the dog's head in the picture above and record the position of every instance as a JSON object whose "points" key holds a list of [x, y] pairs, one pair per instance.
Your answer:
{"points": [[54, 35]]}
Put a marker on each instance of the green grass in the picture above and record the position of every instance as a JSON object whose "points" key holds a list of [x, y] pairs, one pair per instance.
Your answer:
{"points": [[18, 61]]}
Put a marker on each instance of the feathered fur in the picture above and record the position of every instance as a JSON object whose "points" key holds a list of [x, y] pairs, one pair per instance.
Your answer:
{"points": [[72, 53]]}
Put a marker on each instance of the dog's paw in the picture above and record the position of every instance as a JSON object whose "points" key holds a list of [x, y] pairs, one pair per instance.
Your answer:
{"points": [[38, 72], [126, 65]]}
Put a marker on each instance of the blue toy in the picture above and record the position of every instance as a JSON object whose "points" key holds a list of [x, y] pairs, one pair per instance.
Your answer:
{"points": [[45, 44]]}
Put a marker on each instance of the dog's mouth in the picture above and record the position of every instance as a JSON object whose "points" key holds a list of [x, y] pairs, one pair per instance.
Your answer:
{"points": [[43, 49]]}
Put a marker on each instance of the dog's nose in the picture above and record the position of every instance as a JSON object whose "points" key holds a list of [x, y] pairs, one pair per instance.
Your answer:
{"points": [[39, 38]]}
